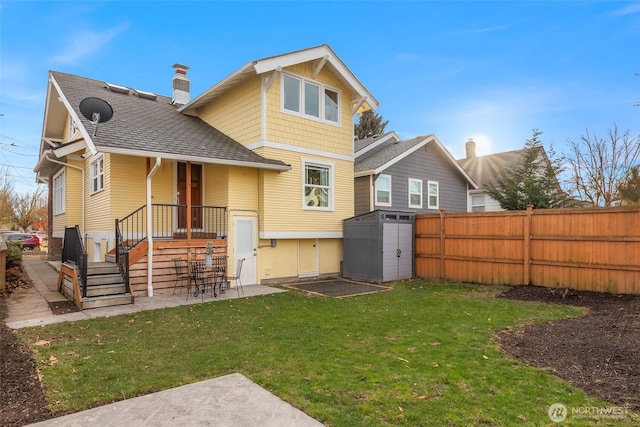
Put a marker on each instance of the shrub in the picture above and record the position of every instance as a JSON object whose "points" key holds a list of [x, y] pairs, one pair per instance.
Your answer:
{"points": [[14, 254]]}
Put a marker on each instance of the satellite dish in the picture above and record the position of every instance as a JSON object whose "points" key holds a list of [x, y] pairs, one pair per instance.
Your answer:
{"points": [[96, 110]]}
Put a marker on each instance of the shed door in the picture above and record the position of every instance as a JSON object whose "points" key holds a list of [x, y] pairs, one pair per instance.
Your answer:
{"points": [[405, 245], [397, 252]]}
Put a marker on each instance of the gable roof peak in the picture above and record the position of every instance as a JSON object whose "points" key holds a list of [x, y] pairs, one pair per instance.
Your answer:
{"points": [[322, 55]]}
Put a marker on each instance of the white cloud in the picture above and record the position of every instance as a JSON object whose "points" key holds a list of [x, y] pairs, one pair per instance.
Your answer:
{"points": [[631, 9], [84, 42]]}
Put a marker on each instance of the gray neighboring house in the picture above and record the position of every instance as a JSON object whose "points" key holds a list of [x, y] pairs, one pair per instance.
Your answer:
{"points": [[483, 169], [417, 175]]}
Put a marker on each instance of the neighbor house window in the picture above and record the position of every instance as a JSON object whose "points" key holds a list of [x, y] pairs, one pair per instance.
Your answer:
{"points": [[415, 193], [310, 99], [383, 190], [58, 193], [318, 186], [477, 203], [433, 194], [97, 174]]}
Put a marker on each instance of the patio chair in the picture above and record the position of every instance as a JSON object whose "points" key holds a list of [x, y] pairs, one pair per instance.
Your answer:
{"points": [[236, 278], [182, 274], [218, 274], [198, 277]]}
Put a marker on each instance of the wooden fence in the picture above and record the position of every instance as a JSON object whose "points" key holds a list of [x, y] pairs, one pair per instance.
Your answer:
{"points": [[595, 249]]}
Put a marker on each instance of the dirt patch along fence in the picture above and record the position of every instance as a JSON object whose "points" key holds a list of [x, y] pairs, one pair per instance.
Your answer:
{"points": [[593, 249]]}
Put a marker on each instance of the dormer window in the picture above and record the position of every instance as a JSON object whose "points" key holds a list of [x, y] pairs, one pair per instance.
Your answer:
{"points": [[310, 99]]}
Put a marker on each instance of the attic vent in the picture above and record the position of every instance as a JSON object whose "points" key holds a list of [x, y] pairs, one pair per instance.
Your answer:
{"points": [[145, 95], [117, 88]]}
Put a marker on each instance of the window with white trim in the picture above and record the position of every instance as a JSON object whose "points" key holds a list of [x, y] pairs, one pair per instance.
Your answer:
{"points": [[415, 193], [477, 203], [383, 190], [318, 185], [58, 193], [97, 174], [434, 194], [72, 128], [310, 99]]}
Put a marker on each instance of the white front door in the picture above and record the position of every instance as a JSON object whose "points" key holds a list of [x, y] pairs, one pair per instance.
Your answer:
{"points": [[245, 245]]}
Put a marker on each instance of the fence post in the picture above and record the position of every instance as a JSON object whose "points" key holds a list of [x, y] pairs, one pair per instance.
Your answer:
{"points": [[527, 246], [441, 243]]}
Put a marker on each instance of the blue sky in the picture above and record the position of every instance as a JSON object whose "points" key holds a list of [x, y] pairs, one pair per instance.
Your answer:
{"points": [[488, 70]]}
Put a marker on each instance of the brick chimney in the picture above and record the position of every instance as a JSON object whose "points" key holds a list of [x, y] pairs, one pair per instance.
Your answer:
{"points": [[470, 146], [181, 86]]}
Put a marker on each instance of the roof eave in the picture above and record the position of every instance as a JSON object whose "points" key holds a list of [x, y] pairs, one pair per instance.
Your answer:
{"points": [[180, 157]]}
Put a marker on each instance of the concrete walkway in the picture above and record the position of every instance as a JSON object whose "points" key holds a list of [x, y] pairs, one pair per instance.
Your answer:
{"points": [[228, 401], [30, 307]]}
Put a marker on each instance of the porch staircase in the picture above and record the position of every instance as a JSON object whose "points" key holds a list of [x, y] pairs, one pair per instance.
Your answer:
{"points": [[105, 286]]}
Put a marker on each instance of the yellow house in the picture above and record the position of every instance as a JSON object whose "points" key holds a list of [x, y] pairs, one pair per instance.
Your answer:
{"points": [[260, 164]]}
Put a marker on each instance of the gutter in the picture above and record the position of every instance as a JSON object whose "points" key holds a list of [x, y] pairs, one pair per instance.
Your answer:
{"points": [[150, 229]]}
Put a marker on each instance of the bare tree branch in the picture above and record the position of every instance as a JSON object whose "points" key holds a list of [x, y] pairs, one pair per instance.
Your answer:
{"points": [[597, 166]]}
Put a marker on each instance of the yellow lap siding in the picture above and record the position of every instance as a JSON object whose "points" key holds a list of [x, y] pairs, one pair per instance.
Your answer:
{"points": [[237, 113], [128, 184], [98, 205], [73, 195], [243, 188], [282, 197]]}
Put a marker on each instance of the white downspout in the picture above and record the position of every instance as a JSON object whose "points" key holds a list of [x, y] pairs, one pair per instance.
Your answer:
{"points": [[83, 189], [150, 229]]}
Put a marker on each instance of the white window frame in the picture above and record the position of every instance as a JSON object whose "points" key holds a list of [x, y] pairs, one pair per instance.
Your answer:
{"points": [[478, 207], [72, 128], [301, 112], [97, 174], [415, 205], [429, 195], [59, 193], [330, 188], [375, 190]]}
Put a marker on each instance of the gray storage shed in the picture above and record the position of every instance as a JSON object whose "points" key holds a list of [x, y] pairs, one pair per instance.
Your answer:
{"points": [[378, 246]]}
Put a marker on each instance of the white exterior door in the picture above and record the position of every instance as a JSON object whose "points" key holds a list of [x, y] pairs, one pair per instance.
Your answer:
{"points": [[245, 245], [308, 257]]}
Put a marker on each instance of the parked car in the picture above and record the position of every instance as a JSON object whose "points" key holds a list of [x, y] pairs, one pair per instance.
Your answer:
{"points": [[29, 241]]}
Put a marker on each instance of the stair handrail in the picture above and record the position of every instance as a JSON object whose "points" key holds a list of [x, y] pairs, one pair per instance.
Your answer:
{"points": [[122, 257], [74, 252], [136, 229]]}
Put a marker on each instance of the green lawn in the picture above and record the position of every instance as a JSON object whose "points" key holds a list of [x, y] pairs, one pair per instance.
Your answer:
{"points": [[421, 355]]}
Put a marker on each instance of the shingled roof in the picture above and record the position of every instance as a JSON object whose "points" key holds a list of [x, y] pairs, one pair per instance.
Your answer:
{"points": [[154, 127], [484, 169], [376, 158]]}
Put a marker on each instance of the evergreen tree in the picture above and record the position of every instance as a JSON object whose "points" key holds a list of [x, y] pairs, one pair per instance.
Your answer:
{"points": [[630, 188], [531, 181], [370, 124]]}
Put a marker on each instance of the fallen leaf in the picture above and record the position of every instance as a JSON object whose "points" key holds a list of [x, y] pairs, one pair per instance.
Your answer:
{"points": [[485, 357], [42, 342], [53, 360]]}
